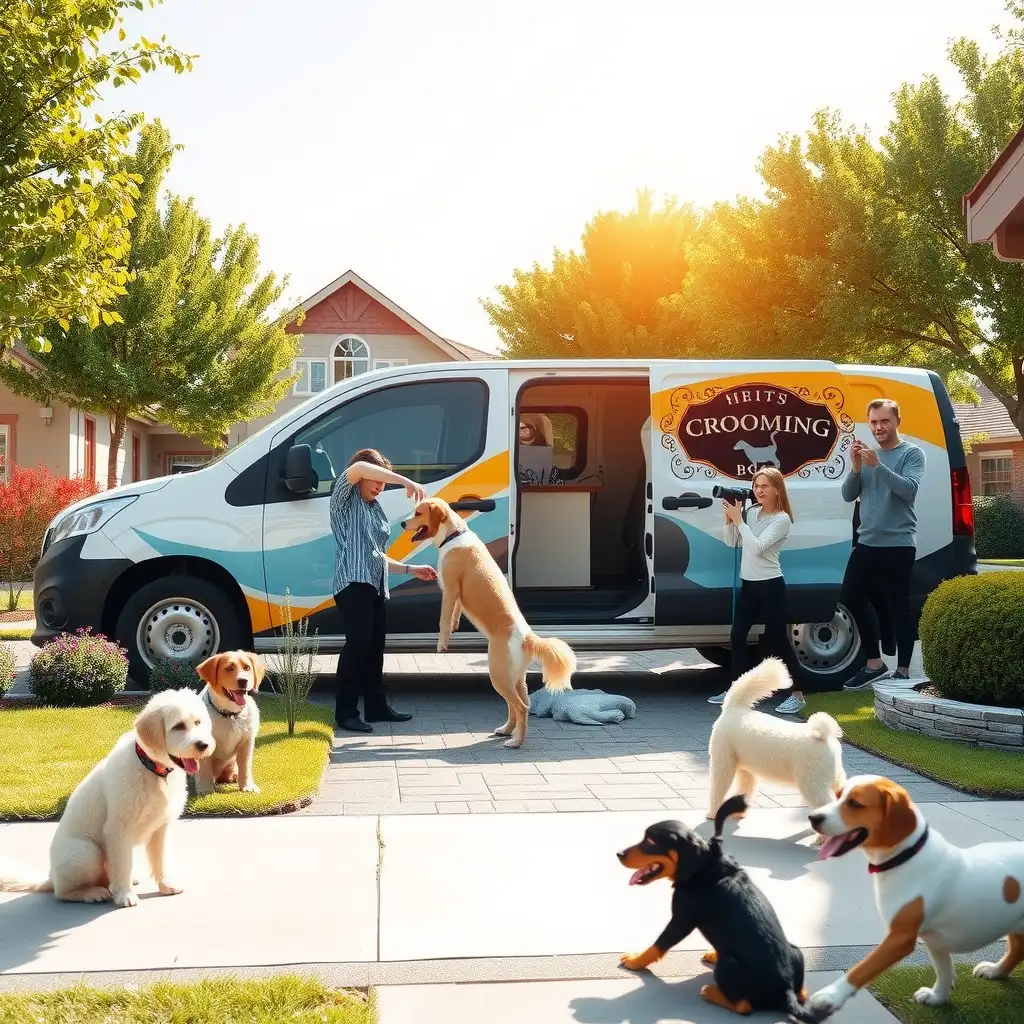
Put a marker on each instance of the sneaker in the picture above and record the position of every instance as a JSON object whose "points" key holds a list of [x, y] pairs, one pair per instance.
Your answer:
{"points": [[900, 675], [791, 705], [865, 677], [719, 698]]}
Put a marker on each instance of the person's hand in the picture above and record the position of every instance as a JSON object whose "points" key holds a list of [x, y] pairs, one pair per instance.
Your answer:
{"points": [[423, 572], [733, 512], [414, 491], [855, 455], [869, 456]]}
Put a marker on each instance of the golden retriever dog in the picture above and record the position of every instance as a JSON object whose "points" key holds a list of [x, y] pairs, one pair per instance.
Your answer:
{"points": [[230, 679], [471, 582], [129, 799], [748, 746]]}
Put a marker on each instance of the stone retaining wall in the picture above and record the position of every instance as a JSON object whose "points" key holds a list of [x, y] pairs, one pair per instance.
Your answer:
{"points": [[900, 707]]}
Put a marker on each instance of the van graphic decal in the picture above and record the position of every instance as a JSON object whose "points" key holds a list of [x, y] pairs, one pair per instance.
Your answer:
{"points": [[738, 429]]}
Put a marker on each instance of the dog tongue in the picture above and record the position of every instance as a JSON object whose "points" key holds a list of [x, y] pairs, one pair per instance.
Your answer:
{"points": [[190, 765], [634, 879], [238, 696], [829, 847]]}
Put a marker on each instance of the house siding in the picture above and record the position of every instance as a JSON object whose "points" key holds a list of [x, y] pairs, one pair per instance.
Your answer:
{"points": [[32, 441]]}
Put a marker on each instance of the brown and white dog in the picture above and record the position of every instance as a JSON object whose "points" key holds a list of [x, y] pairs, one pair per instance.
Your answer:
{"points": [[230, 679], [471, 582], [954, 900]]}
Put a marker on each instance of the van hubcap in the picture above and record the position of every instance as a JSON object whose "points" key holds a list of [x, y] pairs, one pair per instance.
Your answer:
{"points": [[826, 647], [178, 629]]}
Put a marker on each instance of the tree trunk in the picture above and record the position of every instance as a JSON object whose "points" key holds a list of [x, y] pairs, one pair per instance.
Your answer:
{"points": [[118, 425]]}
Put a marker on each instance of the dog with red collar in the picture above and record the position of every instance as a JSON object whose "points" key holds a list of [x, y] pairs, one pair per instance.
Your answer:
{"points": [[953, 900]]}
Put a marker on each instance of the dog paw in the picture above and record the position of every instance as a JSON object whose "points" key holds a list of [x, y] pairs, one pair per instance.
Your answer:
{"points": [[988, 970], [502, 732], [513, 743], [249, 787], [169, 888], [930, 997], [710, 958], [125, 899], [633, 961], [442, 648], [97, 894], [825, 1002]]}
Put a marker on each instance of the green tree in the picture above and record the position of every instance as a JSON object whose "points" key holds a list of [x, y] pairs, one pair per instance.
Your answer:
{"points": [[613, 298], [191, 337], [63, 217], [858, 250]]}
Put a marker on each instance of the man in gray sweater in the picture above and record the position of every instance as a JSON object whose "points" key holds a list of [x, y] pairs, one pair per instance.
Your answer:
{"points": [[878, 574]]}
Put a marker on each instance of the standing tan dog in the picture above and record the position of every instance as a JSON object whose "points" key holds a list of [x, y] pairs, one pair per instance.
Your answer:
{"points": [[471, 582], [230, 679]]}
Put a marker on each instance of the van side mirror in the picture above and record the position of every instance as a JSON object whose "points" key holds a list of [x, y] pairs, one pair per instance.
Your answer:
{"points": [[299, 477]]}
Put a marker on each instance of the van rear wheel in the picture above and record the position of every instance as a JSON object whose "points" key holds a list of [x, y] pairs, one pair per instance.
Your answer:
{"points": [[828, 653], [181, 617]]}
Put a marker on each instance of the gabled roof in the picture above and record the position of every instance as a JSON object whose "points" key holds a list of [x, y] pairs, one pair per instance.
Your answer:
{"points": [[472, 353], [351, 277], [988, 417]]}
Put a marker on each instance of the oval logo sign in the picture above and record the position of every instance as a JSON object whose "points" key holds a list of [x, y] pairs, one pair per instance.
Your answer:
{"points": [[741, 429]]}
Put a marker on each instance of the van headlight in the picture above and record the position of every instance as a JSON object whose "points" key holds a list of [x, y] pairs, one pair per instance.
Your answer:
{"points": [[87, 519]]}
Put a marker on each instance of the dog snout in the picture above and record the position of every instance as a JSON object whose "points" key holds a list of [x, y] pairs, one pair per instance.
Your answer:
{"points": [[817, 820], [202, 746], [621, 854]]}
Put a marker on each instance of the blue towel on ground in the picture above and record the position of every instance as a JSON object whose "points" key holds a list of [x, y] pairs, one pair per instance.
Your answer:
{"points": [[583, 707]]}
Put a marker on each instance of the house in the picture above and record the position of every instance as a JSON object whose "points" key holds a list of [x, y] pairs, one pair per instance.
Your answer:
{"points": [[349, 328], [996, 464], [994, 208]]}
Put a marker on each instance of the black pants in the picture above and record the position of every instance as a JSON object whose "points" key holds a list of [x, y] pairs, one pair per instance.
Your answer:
{"points": [[877, 586], [761, 601], [361, 662]]}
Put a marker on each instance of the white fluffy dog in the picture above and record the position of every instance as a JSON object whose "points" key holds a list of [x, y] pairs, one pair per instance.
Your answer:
{"points": [[129, 799], [748, 746]]}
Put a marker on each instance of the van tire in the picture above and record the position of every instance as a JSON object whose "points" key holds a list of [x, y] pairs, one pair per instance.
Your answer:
{"points": [[828, 653], [191, 618]]}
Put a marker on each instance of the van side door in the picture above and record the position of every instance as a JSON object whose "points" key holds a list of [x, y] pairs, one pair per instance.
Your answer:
{"points": [[715, 424], [447, 431]]}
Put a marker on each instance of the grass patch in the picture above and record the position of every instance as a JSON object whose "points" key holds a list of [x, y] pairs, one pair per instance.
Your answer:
{"points": [[975, 1000], [967, 768], [285, 999], [46, 752], [1019, 562], [14, 631]]}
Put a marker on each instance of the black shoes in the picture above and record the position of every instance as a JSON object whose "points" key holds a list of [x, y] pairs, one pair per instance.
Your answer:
{"points": [[388, 714], [355, 725]]}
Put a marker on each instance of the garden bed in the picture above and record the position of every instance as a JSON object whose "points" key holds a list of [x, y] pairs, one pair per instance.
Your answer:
{"points": [[67, 742], [285, 999], [964, 766]]}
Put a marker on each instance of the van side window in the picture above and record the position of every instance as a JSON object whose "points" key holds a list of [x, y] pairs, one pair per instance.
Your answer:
{"points": [[428, 429], [561, 432]]}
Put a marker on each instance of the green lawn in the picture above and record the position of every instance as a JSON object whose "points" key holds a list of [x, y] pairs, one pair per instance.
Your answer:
{"points": [[983, 772], [286, 999], [15, 631], [46, 752], [1003, 561], [975, 1001]]}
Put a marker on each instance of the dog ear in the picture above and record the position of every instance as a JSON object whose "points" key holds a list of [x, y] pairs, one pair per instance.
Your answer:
{"points": [[259, 670], [898, 819], [150, 730], [208, 669], [436, 515]]}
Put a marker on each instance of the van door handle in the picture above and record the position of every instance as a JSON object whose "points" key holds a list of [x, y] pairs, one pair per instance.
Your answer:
{"points": [[479, 505], [688, 500]]}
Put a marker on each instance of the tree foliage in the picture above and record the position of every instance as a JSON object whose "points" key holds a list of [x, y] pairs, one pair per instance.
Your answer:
{"points": [[189, 338], [63, 217]]}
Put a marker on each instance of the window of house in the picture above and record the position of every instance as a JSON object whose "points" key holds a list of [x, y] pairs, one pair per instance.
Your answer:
{"points": [[566, 429], [90, 448], [996, 474], [312, 376], [5, 453], [351, 356], [186, 463], [429, 430], [386, 364]]}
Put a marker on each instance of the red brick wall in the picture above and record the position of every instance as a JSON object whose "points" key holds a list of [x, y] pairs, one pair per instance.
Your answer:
{"points": [[1015, 448]]}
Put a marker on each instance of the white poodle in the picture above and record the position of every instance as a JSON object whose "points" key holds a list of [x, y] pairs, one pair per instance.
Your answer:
{"points": [[748, 746], [129, 799]]}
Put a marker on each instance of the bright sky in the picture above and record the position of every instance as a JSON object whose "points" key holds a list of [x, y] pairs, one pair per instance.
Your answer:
{"points": [[435, 147]]}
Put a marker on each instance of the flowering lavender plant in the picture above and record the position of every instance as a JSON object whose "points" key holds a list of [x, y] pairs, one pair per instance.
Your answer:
{"points": [[78, 669], [7, 667]]}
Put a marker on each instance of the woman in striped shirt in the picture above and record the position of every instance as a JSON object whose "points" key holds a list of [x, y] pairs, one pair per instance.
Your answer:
{"points": [[362, 532]]}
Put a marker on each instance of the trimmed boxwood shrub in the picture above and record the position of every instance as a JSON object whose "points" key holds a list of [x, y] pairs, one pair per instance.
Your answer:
{"points": [[998, 527], [972, 636], [174, 674], [8, 664], [78, 670]]}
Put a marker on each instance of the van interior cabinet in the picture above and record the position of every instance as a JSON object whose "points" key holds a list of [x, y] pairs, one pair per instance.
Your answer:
{"points": [[554, 537]]}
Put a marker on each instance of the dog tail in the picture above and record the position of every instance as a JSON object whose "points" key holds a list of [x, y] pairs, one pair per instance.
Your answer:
{"points": [[10, 884], [798, 1011], [760, 682], [824, 727], [557, 660], [734, 805]]}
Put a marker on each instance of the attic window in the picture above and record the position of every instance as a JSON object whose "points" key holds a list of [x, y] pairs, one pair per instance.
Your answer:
{"points": [[351, 356]]}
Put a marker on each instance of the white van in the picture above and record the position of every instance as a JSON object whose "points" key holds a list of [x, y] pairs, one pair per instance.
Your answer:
{"points": [[606, 525]]}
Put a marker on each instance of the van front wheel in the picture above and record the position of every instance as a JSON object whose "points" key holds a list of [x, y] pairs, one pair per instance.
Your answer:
{"points": [[180, 617], [829, 653]]}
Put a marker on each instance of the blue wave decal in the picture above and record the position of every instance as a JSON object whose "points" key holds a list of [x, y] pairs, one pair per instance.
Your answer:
{"points": [[307, 569], [711, 560]]}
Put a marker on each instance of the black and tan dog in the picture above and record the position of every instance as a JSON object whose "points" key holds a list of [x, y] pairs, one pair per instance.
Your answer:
{"points": [[755, 966]]}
